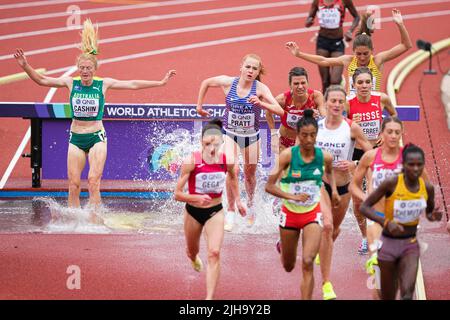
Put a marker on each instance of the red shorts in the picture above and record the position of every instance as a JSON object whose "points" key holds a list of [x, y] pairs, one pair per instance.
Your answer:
{"points": [[287, 142], [297, 221]]}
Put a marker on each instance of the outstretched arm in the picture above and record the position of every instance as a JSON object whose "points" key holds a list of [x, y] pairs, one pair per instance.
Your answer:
{"points": [[137, 84], [404, 45], [319, 60], [40, 79], [219, 81]]}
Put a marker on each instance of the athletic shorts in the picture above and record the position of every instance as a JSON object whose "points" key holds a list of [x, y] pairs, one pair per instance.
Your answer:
{"points": [[394, 248], [341, 190], [243, 142], [201, 215], [297, 221], [287, 142], [371, 222], [85, 141], [331, 45], [357, 154]]}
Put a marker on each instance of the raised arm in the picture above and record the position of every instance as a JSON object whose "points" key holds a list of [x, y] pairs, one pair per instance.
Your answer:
{"points": [[343, 60], [404, 45], [219, 81], [312, 13], [40, 79], [111, 83], [356, 19], [387, 104], [268, 102]]}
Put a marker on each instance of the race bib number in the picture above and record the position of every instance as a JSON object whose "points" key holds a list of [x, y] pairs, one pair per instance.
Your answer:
{"points": [[209, 182], [292, 119], [329, 18], [308, 187], [241, 122], [371, 129], [379, 175], [85, 107], [406, 211]]}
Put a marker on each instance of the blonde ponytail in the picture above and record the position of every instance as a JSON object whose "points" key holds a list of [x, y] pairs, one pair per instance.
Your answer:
{"points": [[89, 42]]}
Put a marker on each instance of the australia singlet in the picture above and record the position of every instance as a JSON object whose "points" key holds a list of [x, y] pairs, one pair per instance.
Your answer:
{"points": [[241, 117], [291, 113], [381, 170], [404, 206], [371, 114], [207, 178], [303, 177], [338, 142], [87, 103], [331, 16], [376, 73]]}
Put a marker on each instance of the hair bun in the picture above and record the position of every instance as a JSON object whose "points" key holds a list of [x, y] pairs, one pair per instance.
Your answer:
{"points": [[308, 113]]}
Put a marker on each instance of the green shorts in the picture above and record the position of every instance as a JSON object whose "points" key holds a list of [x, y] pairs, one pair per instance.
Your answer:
{"points": [[85, 141]]}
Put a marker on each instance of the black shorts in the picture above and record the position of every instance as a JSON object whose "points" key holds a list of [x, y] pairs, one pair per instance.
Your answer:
{"points": [[341, 190], [243, 142], [201, 215], [357, 154], [331, 45]]}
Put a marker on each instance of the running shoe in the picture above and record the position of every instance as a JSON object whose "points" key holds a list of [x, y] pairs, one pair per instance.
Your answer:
{"points": [[229, 221], [363, 247], [317, 260], [278, 246], [328, 292], [197, 265], [370, 263]]}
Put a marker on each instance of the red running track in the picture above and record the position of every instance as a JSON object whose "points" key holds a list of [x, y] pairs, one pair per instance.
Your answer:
{"points": [[128, 266]]}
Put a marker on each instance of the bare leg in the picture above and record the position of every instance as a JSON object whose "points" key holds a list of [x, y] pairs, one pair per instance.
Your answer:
{"points": [[360, 218], [388, 279], [289, 243], [76, 160], [192, 233], [408, 266], [311, 244], [97, 159], [231, 153], [251, 158], [324, 71], [326, 245], [336, 71], [214, 240]]}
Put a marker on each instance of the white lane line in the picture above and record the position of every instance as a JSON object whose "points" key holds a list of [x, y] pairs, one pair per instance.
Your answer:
{"points": [[240, 39], [27, 136], [37, 4], [200, 13], [191, 29], [160, 18], [102, 10]]}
